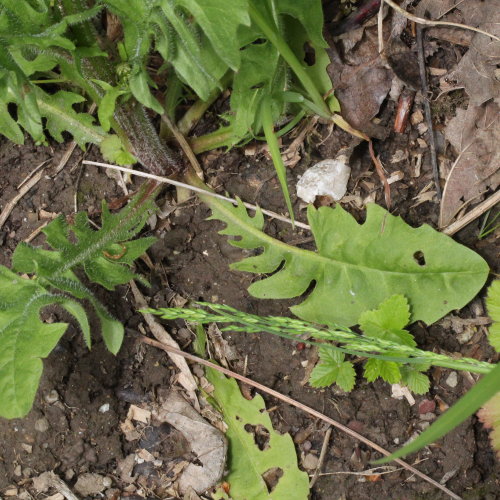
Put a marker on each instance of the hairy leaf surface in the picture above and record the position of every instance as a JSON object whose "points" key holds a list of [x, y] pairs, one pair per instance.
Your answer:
{"points": [[247, 463], [105, 255], [357, 266]]}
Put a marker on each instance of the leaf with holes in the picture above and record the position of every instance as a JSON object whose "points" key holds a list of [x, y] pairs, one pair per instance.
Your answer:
{"points": [[262, 462], [356, 266]]}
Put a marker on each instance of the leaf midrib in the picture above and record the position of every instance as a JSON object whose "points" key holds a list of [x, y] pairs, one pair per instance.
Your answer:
{"points": [[308, 254]]}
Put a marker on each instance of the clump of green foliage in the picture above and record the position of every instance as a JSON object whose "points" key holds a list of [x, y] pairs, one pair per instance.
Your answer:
{"points": [[41, 278]]}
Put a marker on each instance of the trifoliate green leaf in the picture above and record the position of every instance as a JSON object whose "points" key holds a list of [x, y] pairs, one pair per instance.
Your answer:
{"points": [[414, 379], [387, 370], [388, 321]]}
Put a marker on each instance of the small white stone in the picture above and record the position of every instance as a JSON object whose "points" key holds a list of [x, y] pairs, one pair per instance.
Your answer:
{"points": [[326, 178], [452, 380], [52, 397], [104, 408]]}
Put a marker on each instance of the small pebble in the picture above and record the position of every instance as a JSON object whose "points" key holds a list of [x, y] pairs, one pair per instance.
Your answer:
{"points": [[90, 484], [17, 471], [52, 397], [426, 406], [452, 380], [306, 445], [310, 462], [27, 447], [104, 408], [427, 417], [42, 425]]}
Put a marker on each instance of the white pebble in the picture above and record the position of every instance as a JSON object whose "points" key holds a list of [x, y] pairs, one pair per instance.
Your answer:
{"points": [[326, 178], [452, 379], [104, 408]]}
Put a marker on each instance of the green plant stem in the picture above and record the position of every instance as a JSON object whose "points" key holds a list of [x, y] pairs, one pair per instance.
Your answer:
{"points": [[214, 140], [289, 126], [286, 52], [53, 80], [274, 149], [198, 109]]}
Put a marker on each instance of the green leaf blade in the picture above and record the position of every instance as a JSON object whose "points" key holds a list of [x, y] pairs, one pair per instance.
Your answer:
{"points": [[247, 462], [359, 266]]}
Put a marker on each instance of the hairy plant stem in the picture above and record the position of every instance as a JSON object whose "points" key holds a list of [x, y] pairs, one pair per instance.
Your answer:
{"points": [[286, 52], [131, 121]]}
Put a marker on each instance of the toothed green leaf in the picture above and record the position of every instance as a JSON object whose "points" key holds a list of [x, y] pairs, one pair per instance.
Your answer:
{"points": [[356, 267], [106, 256], [333, 369]]}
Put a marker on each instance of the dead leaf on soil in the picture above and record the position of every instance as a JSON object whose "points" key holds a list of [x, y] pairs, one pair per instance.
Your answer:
{"points": [[361, 82], [477, 71], [223, 351], [206, 442], [475, 134]]}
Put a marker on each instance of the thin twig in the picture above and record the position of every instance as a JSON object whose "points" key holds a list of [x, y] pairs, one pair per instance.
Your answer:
{"points": [[65, 158], [166, 180], [473, 214], [381, 174], [302, 407], [322, 456], [4, 215], [37, 231], [31, 174], [427, 109], [428, 22], [184, 145]]}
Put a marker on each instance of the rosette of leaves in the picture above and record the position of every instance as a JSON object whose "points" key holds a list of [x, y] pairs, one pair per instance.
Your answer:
{"points": [[40, 278]]}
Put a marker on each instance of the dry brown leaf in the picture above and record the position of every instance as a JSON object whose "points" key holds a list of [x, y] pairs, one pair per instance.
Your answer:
{"points": [[224, 352], [360, 74], [139, 414], [477, 71], [206, 442], [474, 134]]}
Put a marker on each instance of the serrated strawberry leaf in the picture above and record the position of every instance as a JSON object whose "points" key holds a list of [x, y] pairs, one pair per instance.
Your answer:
{"points": [[331, 369]]}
